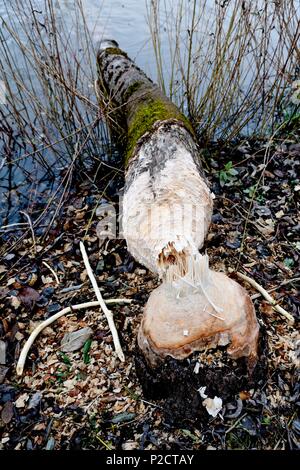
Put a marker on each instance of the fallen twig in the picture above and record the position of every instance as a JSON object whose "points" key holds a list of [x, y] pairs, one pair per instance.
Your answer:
{"points": [[31, 229], [283, 283], [106, 311], [44, 324], [234, 425], [52, 271], [267, 296], [12, 226], [66, 290]]}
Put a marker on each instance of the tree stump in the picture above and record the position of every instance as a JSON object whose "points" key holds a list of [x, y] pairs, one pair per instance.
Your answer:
{"points": [[199, 329], [176, 384]]}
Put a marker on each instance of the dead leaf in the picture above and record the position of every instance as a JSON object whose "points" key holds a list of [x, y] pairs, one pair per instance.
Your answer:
{"points": [[130, 445], [244, 395], [70, 384], [28, 296], [79, 215], [19, 336], [75, 340], [21, 401], [118, 259], [15, 302], [3, 292], [68, 247], [266, 227], [213, 405], [279, 214], [40, 427], [7, 412], [35, 400], [47, 280], [2, 352], [265, 308], [3, 372]]}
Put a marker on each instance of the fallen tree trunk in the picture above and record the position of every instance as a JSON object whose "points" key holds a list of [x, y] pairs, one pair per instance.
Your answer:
{"points": [[164, 179], [167, 208]]}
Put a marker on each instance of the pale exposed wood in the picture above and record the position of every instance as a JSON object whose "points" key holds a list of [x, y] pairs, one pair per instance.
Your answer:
{"points": [[52, 319], [106, 311], [267, 296], [52, 271]]}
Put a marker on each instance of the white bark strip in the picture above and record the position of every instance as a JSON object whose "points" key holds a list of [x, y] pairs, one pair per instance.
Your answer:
{"points": [[106, 311], [49, 321], [267, 296]]}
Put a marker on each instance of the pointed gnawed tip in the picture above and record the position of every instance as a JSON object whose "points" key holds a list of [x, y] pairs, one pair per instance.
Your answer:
{"points": [[107, 43]]}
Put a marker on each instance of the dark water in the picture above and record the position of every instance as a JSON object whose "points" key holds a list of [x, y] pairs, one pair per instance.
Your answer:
{"points": [[24, 182]]}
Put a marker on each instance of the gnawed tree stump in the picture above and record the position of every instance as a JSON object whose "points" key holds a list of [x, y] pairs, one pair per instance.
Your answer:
{"points": [[167, 208], [176, 383], [162, 164]]}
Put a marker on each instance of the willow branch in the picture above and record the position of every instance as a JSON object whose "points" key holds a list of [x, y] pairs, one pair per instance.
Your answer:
{"points": [[267, 296], [106, 311], [44, 324]]}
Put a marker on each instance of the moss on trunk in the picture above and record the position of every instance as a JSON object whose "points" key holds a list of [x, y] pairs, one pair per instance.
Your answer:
{"points": [[146, 113], [139, 102]]}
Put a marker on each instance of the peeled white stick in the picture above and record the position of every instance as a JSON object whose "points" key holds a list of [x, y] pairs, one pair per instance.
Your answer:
{"points": [[267, 296], [44, 324], [106, 311]]}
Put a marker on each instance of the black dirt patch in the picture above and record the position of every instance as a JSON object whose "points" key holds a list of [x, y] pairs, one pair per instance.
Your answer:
{"points": [[176, 383]]}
